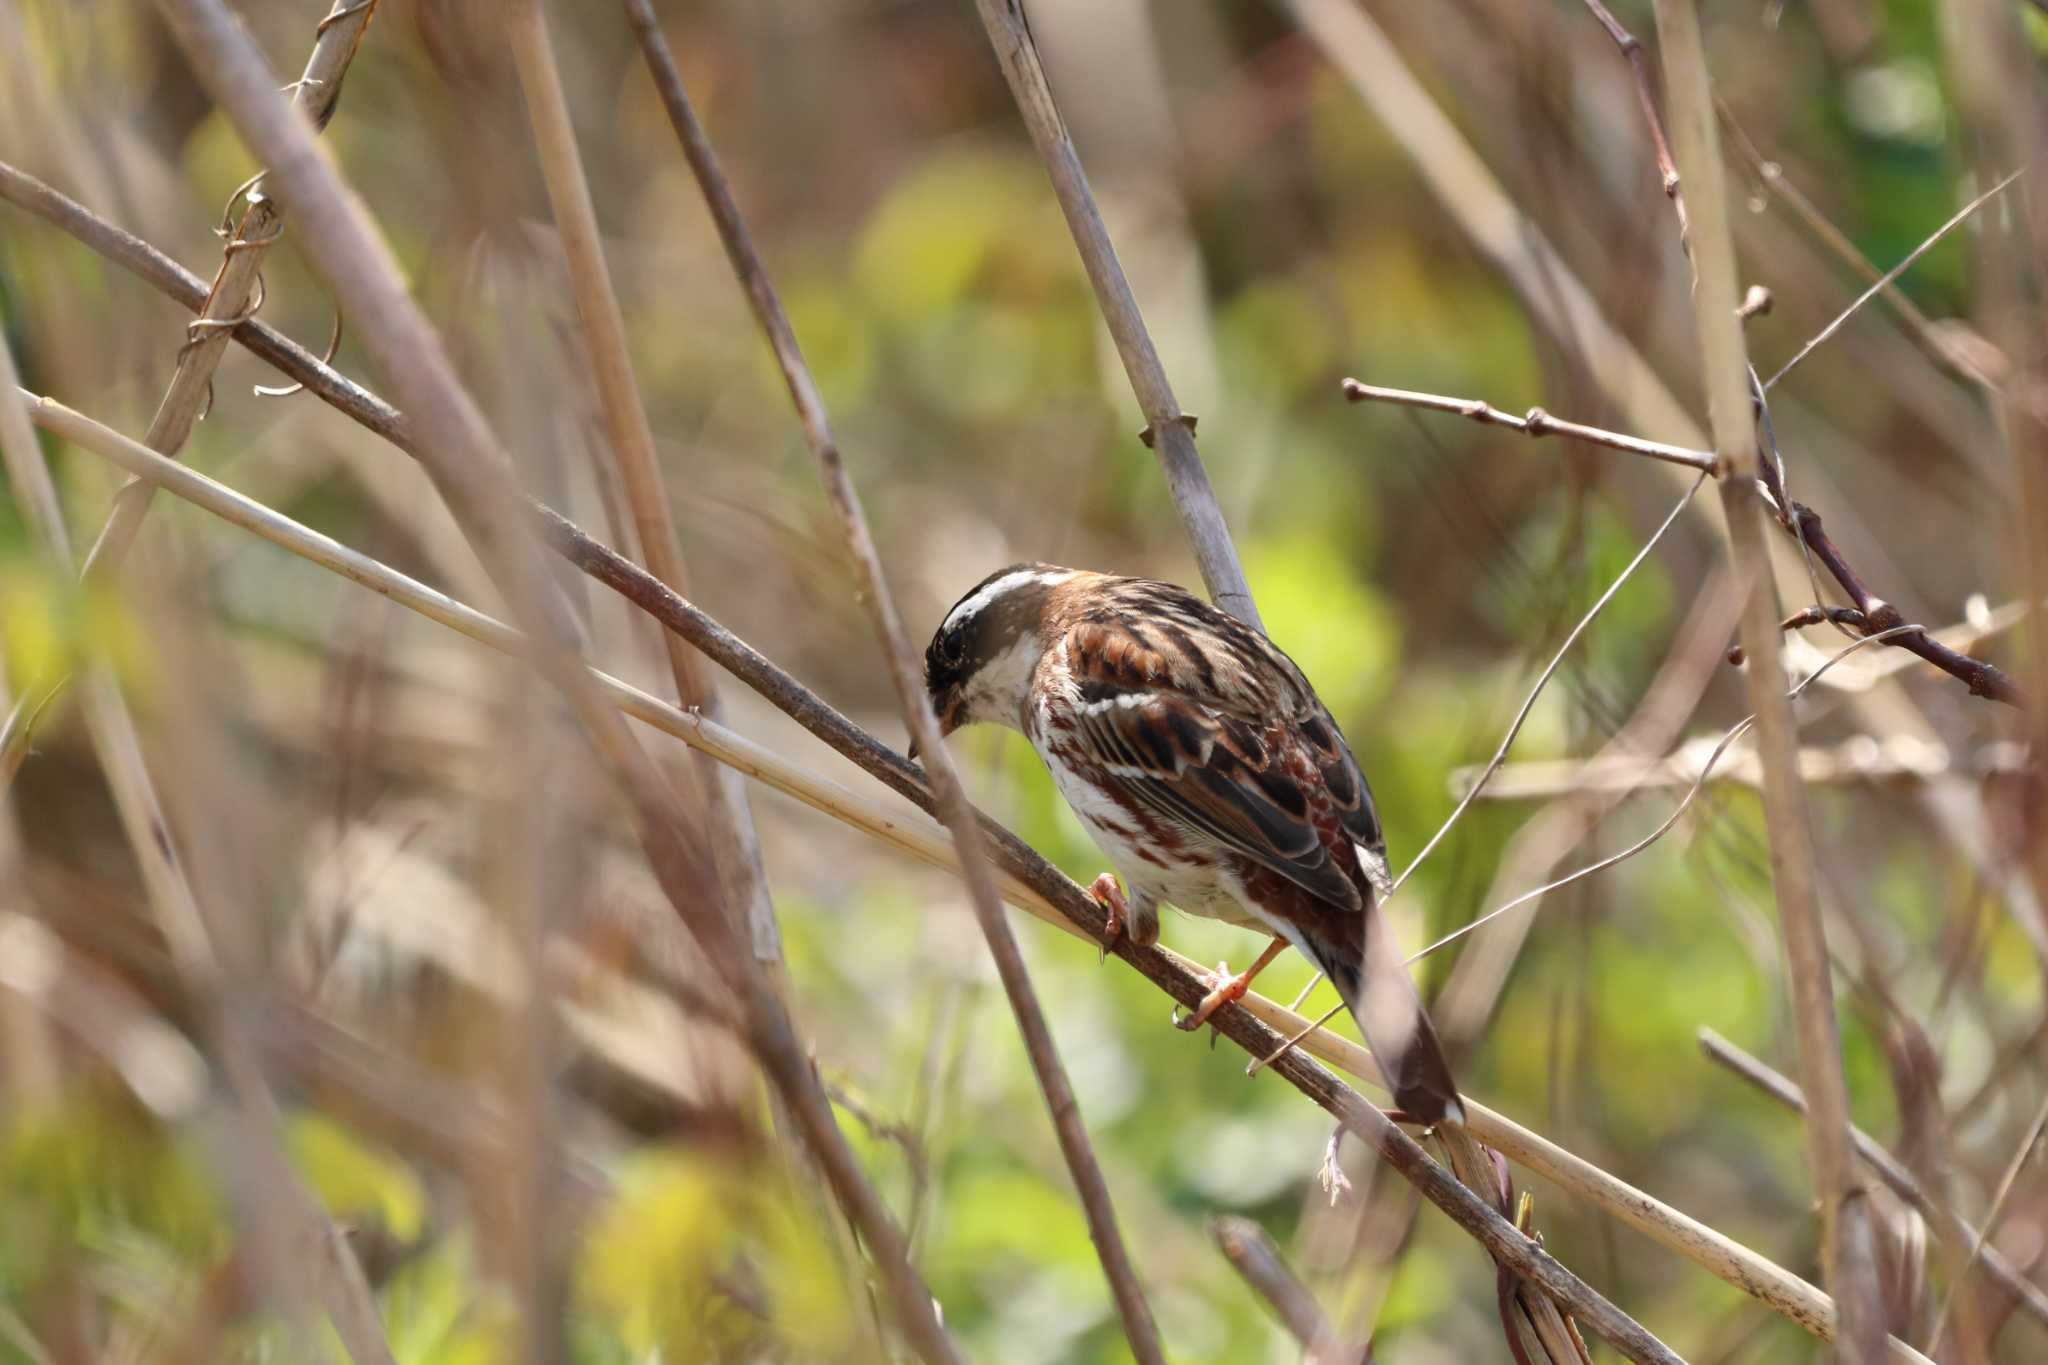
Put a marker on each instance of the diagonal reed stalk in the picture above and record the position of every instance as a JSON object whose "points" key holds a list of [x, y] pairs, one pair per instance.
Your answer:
{"points": [[351, 257], [236, 294], [735, 844], [907, 674], [1845, 1213], [305, 1249]]}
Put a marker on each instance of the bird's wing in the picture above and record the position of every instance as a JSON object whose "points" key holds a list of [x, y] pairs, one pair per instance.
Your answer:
{"points": [[1214, 728]]}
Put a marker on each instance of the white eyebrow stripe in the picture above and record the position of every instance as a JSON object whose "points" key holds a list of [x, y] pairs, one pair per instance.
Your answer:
{"points": [[989, 592]]}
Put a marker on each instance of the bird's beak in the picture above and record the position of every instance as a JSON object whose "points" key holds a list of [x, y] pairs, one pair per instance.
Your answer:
{"points": [[946, 707]]}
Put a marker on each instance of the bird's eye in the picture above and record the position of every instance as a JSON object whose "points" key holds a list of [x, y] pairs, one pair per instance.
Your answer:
{"points": [[953, 648]]}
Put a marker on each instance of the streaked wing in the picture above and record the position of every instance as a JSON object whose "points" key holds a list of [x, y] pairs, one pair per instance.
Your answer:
{"points": [[1212, 727]]}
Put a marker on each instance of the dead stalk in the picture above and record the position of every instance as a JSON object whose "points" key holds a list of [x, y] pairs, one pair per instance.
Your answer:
{"points": [[1168, 431], [735, 845], [236, 294], [356, 264], [1845, 1214], [906, 672]]}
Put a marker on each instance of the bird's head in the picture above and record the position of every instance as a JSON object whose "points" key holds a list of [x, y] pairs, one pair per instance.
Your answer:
{"points": [[978, 666]]}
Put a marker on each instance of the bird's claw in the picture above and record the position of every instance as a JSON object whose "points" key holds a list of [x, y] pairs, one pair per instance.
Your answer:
{"points": [[1331, 1177], [1223, 988], [1110, 897]]}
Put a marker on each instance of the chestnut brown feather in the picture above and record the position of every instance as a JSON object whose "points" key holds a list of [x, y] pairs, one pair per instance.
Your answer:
{"points": [[1204, 763]]}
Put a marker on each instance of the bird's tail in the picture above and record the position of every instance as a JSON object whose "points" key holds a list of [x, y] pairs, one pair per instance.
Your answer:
{"points": [[1364, 963]]}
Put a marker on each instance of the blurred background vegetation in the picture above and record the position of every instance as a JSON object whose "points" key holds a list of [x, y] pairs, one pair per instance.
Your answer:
{"points": [[1417, 566]]}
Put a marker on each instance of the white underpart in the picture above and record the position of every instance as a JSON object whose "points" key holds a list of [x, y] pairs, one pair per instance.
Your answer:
{"points": [[997, 691], [1207, 891]]}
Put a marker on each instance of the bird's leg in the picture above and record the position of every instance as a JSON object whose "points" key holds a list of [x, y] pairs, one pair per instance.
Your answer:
{"points": [[1110, 897], [1331, 1177], [1224, 988]]}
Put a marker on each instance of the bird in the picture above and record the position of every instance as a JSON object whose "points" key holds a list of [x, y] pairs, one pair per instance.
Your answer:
{"points": [[1202, 763]]}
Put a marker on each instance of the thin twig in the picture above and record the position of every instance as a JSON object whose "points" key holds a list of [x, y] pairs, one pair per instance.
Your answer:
{"points": [[1905, 263], [228, 301], [1258, 1263], [1633, 51], [1535, 423], [1529, 703], [735, 844], [1888, 1169], [1845, 1213], [1983, 678], [1963, 360], [456, 443], [1735, 732], [1169, 431], [906, 671], [1981, 1239]]}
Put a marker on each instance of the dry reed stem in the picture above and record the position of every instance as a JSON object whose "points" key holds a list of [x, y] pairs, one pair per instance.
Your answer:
{"points": [[1033, 884], [907, 673], [1990, 68], [735, 843], [1169, 431], [1845, 1214], [238, 281], [292, 1226], [357, 265], [1888, 1168], [1258, 1263]]}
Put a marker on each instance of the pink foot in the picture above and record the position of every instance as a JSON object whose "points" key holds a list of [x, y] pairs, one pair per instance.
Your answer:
{"points": [[1110, 897], [1223, 988]]}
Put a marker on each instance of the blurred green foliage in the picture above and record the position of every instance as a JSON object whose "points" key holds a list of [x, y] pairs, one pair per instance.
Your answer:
{"points": [[1419, 568]]}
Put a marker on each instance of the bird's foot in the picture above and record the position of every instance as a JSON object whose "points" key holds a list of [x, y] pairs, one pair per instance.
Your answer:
{"points": [[1110, 897], [1223, 988], [1331, 1177]]}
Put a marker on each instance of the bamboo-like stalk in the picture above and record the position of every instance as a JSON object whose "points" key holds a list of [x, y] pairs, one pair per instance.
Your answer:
{"points": [[357, 265], [1169, 431], [907, 673], [1952, 1225], [735, 844], [1258, 1262], [237, 282], [1034, 885], [1845, 1213]]}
